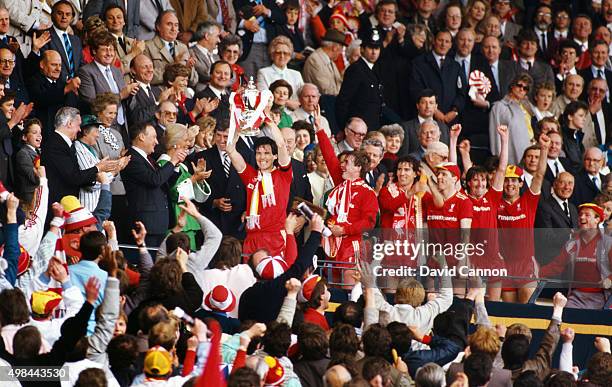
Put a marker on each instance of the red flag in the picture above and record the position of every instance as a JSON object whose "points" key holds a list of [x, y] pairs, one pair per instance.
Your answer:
{"points": [[211, 376]]}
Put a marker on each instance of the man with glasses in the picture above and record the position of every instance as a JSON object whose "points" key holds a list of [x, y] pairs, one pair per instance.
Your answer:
{"points": [[165, 115], [542, 22], [354, 133], [561, 24], [12, 77], [509, 30], [589, 180], [599, 56], [435, 154]]}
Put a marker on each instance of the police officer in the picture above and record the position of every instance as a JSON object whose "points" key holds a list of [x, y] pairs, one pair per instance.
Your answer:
{"points": [[361, 93]]}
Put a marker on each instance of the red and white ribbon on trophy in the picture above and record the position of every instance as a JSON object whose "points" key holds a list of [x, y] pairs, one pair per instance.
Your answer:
{"points": [[238, 108], [480, 85]]}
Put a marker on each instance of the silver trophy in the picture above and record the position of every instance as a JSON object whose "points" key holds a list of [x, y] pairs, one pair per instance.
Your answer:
{"points": [[249, 113]]}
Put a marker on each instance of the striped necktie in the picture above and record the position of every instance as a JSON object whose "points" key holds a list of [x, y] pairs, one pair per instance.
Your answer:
{"points": [[69, 54], [226, 164]]}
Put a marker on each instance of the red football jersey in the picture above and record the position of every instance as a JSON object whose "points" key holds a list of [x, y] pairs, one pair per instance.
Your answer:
{"points": [[517, 244], [271, 216], [484, 229]]}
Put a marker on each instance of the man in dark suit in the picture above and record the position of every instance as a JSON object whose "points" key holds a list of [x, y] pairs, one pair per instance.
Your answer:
{"points": [[598, 130], [6, 141], [589, 180], [59, 158], [220, 80], [300, 185], [373, 148], [426, 107], [557, 164], [475, 115], [100, 76], [361, 91], [539, 71], [499, 71], [547, 44], [227, 200], [256, 19], [599, 56], [141, 106], [97, 7], [49, 92], [12, 77], [434, 70], [555, 219], [146, 183], [568, 52], [68, 45]]}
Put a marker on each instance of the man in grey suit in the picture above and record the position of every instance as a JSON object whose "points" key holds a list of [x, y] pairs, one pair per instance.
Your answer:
{"points": [[132, 16], [207, 38], [216, 11], [100, 76], [426, 106]]}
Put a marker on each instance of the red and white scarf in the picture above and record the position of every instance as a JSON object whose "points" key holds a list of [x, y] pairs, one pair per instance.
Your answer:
{"points": [[266, 198], [338, 204]]}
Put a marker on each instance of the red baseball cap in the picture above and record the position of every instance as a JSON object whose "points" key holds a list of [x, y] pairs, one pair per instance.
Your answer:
{"points": [[451, 167]]}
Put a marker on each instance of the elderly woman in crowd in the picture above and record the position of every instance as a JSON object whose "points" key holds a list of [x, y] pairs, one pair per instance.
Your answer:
{"points": [[513, 111], [187, 185], [280, 49], [394, 138], [230, 50], [87, 157]]}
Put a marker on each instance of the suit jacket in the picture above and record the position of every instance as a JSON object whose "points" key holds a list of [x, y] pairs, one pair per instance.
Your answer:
{"points": [[149, 10], [322, 71], [360, 95], [295, 36], [24, 14], [300, 184], [93, 81], [276, 16], [132, 14], [63, 173], [446, 82], [221, 186], [17, 86], [223, 110], [48, 98], [213, 9], [552, 228], [158, 52], [507, 70], [587, 75], [146, 190], [190, 13], [592, 128], [202, 66], [584, 188], [6, 153], [140, 107], [512, 29], [475, 120], [540, 72], [125, 56], [411, 142], [77, 52], [26, 180], [566, 164]]}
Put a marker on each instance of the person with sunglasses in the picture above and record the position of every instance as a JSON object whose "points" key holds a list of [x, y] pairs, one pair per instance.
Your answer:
{"points": [[513, 111]]}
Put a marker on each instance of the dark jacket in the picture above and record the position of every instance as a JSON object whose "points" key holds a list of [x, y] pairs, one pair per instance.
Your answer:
{"points": [[360, 95], [542, 360], [26, 181], [63, 173], [273, 291], [442, 351], [572, 145], [311, 372], [72, 330], [77, 52], [300, 185], [140, 107], [146, 189], [276, 16], [584, 188]]}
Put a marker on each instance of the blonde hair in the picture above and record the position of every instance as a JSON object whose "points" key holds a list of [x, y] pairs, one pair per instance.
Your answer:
{"points": [[175, 133], [409, 291], [485, 340], [519, 329]]}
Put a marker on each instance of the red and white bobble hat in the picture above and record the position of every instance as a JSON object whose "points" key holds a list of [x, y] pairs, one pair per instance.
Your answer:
{"points": [[308, 287], [220, 299], [79, 216], [3, 192], [276, 373], [271, 267]]}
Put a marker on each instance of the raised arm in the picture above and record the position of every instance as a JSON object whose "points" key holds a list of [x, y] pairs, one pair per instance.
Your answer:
{"points": [[284, 158], [500, 173], [235, 156], [538, 177]]}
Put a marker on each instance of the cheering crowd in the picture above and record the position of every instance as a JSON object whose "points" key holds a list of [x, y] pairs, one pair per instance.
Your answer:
{"points": [[484, 122]]}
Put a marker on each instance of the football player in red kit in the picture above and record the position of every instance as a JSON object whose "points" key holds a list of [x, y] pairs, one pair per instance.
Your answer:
{"points": [[448, 213], [267, 191], [485, 197], [516, 216], [588, 256], [352, 204]]}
